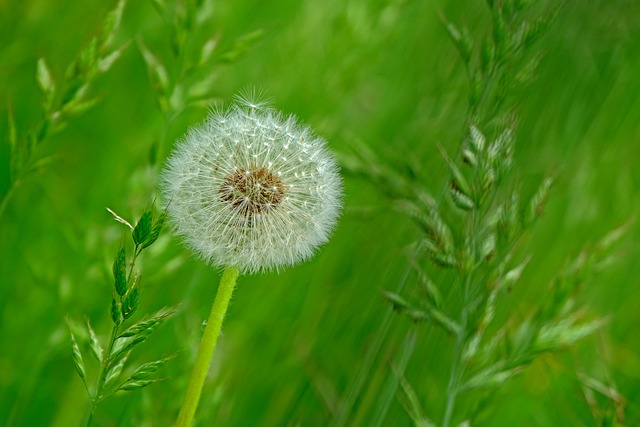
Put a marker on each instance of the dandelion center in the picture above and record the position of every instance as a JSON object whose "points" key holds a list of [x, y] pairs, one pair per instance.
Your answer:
{"points": [[252, 191]]}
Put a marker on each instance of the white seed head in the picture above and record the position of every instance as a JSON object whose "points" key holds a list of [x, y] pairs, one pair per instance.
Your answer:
{"points": [[252, 188]]}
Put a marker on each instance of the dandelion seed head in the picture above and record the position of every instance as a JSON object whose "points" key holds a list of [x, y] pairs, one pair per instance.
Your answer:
{"points": [[252, 188]]}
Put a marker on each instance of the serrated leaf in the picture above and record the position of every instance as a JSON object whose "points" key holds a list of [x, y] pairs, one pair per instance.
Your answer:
{"points": [[46, 83], [120, 272], [122, 347], [130, 303], [157, 72], [147, 326], [411, 404], [536, 205], [142, 230], [76, 88], [565, 332], [44, 77], [430, 221], [491, 377], [461, 200], [76, 356], [107, 61], [432, 291], [460, 188], [116, 314], [155, 231], [469, 158], [134, 385], [111, 24], [460, 39], [477, 139], [76, 108], [88, 59], [513, 275], [96, 348], [113, 373], [397, 302], [612, 237], [500, 36], [488, 246], [486, 57], [145, 371], [436, 316], [500, 151], [241, 46], [435, 254], [207, 50]]}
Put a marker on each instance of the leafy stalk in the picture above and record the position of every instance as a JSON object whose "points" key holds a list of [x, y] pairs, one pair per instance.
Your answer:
{"points": [[124, 303], [63, 98]]}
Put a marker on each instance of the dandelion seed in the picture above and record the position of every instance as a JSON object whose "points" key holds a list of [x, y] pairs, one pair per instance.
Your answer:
{"points": [[240, 194]]}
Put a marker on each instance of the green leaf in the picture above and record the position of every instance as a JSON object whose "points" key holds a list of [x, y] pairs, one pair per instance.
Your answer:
{"points": [[460, 199], [155, 231], [134, 385], [122, 347], [105, 62], [116, 313], [477, 139], [500, 36], [146, 371], [76, 108], [459, 187], [460, 39], [241, 46], [113, 373], [46, 83], [429, 219], [411, 403], [536, 205], [513, 275], [142, 230], [436, 316], [88, 59], [147, 326], [12, 135], [130, 303], [76, 356], [492, 376], [430, 288], [157, 72], [96, 348], [76, 88], [111, 24], [397, 302], [120, 272]]}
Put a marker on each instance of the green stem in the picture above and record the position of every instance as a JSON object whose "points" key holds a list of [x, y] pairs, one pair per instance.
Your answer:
{"points": [[457, 368], [207, 347], [456, 371]]}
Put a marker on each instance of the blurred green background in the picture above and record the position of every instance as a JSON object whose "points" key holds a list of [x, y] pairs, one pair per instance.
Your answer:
{"points": [[314, 345]]}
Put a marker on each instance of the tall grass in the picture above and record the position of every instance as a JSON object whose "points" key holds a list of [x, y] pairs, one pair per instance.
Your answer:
{"points": [[320, 345]]}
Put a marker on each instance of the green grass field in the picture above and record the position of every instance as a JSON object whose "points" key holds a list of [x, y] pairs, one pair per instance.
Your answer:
{"points": [[317, 344]]}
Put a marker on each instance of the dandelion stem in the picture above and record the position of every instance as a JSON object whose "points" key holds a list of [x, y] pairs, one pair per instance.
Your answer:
{"points": [[207, 347]]}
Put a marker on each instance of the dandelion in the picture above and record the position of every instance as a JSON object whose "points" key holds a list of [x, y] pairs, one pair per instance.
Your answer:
{"points": [[253, 189], [249, 190]]}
